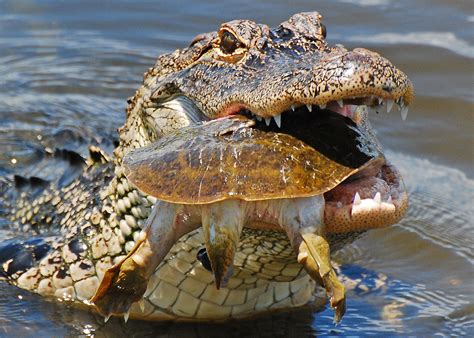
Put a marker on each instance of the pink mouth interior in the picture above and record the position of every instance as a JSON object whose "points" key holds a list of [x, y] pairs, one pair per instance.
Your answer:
{"points": [[386, 182]]}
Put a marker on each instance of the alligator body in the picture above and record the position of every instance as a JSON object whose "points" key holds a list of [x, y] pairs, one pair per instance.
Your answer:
{"points": [[89, 225]]}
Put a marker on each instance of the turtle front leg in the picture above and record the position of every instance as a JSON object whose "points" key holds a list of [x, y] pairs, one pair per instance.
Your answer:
{"points": [[222, 224], [302, 219], [126, 282]]}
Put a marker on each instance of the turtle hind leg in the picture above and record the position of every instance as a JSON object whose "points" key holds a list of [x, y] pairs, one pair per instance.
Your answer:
{"points": [[314, 255], [122, 285], [302, 219]]}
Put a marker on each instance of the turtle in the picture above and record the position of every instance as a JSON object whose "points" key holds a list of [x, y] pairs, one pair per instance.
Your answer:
{"points": [[228, 173]]}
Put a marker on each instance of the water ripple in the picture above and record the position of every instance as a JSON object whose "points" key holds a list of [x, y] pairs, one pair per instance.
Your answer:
{"points": [[445, 40]]}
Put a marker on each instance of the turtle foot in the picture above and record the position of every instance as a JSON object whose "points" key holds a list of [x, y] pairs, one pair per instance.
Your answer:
{"points": [[314, 255], [222, 224], [122, 285]]}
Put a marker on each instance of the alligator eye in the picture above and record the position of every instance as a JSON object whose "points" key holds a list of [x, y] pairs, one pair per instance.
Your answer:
{"points": [[323, 30], [229, 43]]}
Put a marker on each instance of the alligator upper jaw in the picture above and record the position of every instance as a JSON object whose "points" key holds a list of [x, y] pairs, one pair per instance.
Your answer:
{"points": [[349, 107]]}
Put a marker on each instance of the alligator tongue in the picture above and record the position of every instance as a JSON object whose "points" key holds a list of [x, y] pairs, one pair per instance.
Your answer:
{"points": [[233, 158]]}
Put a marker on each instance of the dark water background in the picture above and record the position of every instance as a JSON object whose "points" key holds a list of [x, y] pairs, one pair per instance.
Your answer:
{"points": [[67, 67]]}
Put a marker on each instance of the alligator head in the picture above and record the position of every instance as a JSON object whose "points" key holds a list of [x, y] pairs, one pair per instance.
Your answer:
{"points": [[284, 79]]}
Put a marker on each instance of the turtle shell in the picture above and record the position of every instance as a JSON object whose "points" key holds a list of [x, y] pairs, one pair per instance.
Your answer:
{"points": [[227, 158]]}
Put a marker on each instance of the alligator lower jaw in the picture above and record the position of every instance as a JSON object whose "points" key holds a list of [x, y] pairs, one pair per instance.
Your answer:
{"points": [[359, 204], [370, 202]]}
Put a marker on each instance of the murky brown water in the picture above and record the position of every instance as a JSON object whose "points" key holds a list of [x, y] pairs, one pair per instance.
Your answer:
{"points": [[66, 69]]}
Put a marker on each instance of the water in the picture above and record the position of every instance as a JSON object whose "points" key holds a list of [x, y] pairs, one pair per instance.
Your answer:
{"points": [[66, 69]]}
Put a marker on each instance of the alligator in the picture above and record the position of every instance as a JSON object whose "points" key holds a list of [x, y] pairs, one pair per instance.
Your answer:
{"points": [[275, 77]]}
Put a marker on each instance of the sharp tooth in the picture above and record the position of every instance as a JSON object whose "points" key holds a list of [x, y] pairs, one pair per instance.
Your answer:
{"points": [[389, 105], [322, 106], [357, 199], [401, 103], [389, 200], [106, 318], [340, 103], [268, 120], [293, 107], [380, 100], [357, 116], [278, 120], [378, 198], [404, 113], [310, 107], [126, 315]]}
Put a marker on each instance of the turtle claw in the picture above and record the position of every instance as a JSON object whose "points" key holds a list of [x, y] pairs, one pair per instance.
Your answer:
{"points": [[339, 309], [122, 285], [222, 224], [141, 303], [314, 255]]}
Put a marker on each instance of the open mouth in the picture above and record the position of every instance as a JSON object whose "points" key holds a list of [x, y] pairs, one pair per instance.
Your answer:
{"points": [[373, 197]]}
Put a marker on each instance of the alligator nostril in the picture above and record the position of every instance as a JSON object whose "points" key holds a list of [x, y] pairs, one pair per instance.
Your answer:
{"points": [[204, 259]]}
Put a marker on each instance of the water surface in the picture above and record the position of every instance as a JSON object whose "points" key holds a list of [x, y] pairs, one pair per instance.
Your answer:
{"points": [[66, 69]]}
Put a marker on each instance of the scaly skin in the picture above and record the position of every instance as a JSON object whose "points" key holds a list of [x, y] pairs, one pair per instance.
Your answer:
{"points": [[98, 218]]}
